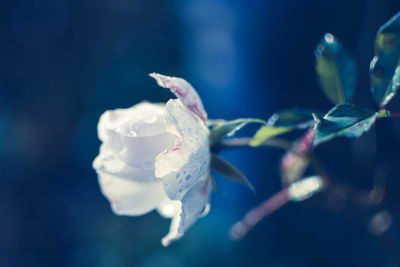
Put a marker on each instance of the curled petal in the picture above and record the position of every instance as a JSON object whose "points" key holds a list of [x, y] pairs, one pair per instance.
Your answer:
{"points": [[108, 162], [182, 166], [173, 234], [128, 197], [195, 204], [135, 135], [143, 119], [184, 91], [142, 151]]}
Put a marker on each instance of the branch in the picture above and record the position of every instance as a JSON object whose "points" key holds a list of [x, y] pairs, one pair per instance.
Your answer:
{"points": [[395, 115], [241, 228], [245, 142]]}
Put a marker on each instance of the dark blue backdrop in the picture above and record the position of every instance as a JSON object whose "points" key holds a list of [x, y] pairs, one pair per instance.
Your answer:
{"points": [[64, 62]]}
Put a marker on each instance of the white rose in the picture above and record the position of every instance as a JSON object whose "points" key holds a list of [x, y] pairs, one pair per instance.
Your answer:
{"points": [[157, 157]]}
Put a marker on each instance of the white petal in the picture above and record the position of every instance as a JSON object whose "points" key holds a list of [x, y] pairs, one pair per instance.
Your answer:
{"points": [[108, 162], [173, 234], [136, 135], [181, 166], [143, 119], [129, 197], [142, 151], [169, 208], [184, 91], [194, 203]]}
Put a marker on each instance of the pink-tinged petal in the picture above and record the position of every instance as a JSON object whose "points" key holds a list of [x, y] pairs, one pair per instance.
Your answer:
{"points": [[128, 197], [184, 91], [181, 166], [195, 204]]}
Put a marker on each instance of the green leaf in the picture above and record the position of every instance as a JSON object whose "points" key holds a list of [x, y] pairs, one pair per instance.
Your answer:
{"points": [[283, 122], [293, 118], [227, 170], [384, 77], [266, 132], [336, 70], [229, 128], [383, 113], [343, 120]]}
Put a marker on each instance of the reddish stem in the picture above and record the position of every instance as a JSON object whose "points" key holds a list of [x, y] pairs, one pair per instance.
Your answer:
{"points": [[241, 228], [395, 115]]}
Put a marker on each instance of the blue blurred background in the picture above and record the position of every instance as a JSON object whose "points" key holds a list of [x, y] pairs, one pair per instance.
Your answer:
{"points": [[64, 62]]}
